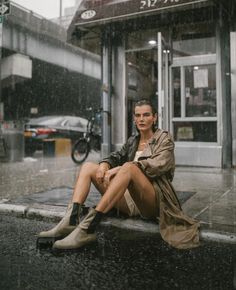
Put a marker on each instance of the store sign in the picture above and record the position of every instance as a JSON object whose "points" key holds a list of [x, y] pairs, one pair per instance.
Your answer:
{"points": [[88, 14], [104, 10]]}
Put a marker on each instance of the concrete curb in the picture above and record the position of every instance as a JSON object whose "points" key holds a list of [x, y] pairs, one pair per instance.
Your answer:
{"points": [[15, 209], [53, 215], [26, 211], [43, 213], [132, 224], [220, 237]]}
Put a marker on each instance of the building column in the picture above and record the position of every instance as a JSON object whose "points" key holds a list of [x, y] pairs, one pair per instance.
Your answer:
{"points": [[113, 92], [119, 105], [106, 91]]}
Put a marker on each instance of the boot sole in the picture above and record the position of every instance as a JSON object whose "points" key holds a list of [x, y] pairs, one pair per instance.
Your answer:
{"points": [[75, 250], [45, 242]]}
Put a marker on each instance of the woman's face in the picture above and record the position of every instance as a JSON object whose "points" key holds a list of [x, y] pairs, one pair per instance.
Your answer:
{"points": [[144, 118]]}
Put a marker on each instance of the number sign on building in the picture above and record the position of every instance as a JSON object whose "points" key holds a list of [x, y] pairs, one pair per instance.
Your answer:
{"points": [[110, 10], [4, 7]]}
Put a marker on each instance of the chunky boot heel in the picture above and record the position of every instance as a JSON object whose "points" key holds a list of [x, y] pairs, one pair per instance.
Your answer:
{"points": [[83, 234], [46, 242]]}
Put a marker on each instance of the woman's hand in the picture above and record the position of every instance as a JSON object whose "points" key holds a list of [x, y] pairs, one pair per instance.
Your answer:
{"points": [[102, 169], [109, 174]]}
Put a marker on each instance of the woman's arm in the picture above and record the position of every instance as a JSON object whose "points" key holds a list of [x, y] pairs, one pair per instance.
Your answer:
{"points": [[117, 158]]}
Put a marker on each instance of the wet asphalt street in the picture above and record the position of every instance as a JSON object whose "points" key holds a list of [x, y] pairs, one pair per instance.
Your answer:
{"points": [[119, 260]]}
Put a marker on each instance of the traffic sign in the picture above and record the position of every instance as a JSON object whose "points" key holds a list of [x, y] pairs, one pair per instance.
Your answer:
{"points": [[4, 8]]}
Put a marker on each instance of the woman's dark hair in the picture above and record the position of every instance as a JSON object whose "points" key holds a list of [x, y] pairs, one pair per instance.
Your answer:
{"points": [[144, 102]]}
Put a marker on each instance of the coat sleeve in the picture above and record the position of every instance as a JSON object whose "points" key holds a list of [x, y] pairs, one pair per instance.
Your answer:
{"points": [[162, 160], [117, 158]]}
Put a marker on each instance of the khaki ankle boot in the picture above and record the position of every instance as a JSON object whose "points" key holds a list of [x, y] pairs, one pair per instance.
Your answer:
{"points": [[66, 225], [83, 234]]}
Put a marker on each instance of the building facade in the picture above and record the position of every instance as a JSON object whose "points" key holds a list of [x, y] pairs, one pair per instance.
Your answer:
{"points": [[180, 55]]}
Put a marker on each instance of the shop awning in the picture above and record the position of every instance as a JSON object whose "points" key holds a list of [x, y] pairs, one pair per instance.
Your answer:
{"points": [[91, 12]]}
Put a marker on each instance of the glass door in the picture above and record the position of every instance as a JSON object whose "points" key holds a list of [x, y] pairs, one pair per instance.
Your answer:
{"points": [[147, 77]]}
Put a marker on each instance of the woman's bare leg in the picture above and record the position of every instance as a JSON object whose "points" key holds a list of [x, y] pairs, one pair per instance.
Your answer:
{"points": [[83, 183], [141, 190], [86, 176]]}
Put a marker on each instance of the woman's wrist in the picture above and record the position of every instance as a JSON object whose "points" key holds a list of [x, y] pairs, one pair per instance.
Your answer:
{"points": [[104, 165]]}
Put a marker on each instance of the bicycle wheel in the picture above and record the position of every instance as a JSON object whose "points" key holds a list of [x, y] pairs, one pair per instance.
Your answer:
{"points": [[80, 151]]}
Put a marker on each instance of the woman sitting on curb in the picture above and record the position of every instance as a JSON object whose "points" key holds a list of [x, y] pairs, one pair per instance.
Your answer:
{"points": [[137, 181]]}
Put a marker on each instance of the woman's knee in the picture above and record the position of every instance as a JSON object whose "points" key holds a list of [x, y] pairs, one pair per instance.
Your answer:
{"points": [[129, 168], [89, 167]]}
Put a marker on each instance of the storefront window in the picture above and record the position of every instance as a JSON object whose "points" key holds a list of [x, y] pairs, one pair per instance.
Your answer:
{"points": [[197, 39], [142, 63], [193, 74], [200, 90], [194, 103], [141, 74], [195, 131], [144, 38], [141, 67]]}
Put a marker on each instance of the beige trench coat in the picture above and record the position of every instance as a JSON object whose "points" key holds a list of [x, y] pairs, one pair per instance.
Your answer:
{"points": [[157, 162]]}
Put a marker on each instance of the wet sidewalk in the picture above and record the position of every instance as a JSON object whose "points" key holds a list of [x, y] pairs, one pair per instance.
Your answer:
{"points": [[207, 194]]}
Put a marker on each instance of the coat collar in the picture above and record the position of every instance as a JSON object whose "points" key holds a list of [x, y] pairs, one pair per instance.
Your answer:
{"points": [[147, 152]]}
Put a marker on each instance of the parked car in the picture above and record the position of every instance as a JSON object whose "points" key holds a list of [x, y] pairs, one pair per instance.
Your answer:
{"points": [[51, 127]]}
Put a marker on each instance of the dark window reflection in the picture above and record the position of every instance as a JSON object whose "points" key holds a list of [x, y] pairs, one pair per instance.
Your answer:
{"points": [[176, 92], [195, 131]]}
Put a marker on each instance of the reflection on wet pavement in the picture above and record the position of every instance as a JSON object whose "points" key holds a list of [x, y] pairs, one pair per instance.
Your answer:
{"points": [[38, 174]]}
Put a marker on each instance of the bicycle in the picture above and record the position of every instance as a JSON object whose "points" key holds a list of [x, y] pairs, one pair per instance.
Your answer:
{"points": [[90, 140]]}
